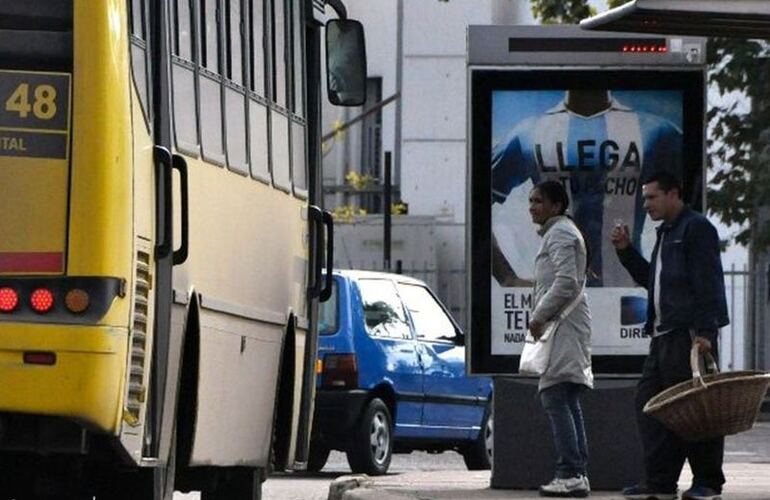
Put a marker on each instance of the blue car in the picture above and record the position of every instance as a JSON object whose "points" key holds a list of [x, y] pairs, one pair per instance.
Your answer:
{"points": [[391, 377]]}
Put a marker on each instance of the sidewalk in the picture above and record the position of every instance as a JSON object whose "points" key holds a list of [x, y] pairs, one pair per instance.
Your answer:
{"points": [[745, 481]]}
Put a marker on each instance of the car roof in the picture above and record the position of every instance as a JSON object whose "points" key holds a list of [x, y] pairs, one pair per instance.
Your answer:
{"points": [[362, 274]]}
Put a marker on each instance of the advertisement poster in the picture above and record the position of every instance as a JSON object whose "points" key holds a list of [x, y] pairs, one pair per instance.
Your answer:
{"points": [[600, 144]]}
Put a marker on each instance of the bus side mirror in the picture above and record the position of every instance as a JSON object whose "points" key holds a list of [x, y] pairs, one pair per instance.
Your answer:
{"points": [[345, 62]]}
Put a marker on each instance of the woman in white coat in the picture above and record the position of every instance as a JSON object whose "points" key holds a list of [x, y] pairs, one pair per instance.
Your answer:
{"points": [[560, 273]]}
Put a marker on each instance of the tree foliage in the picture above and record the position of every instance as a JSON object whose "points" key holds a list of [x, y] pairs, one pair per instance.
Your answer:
{"points": [[738, 144], [560, 11]]}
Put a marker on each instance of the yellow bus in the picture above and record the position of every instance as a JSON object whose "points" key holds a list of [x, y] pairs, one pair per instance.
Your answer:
{"points": [[160, 250]]}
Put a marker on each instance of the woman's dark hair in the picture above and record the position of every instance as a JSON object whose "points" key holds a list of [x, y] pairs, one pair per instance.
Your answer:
{"points": [[555, 192]]}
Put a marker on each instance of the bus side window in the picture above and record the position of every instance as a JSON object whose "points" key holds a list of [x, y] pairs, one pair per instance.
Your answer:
{"points": [[183, 40], [279, 119], [279, 142], [211, 121], [279, 49], [137, 18], [258, 115], [183, 79], [298, 136], [298, 58], [139, 63], [299, 157], [235, 93]]}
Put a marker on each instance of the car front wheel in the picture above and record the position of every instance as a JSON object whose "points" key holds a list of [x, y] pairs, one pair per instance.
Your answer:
{"points": [[371, 448], [478, 454]]}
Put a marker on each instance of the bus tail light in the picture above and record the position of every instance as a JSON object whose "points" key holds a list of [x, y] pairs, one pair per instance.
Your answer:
{"points": [[58, 299], [340, 371], [41, 300], [9, 299], [77, 300]]}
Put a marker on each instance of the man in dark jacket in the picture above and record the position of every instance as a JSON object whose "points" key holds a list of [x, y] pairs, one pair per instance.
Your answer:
{"points": [[686, 306]]}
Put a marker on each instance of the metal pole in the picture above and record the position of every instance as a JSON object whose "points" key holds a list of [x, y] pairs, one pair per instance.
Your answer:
{"points": [[399, 81], [748, 318], [732, 311], [386, 189]]}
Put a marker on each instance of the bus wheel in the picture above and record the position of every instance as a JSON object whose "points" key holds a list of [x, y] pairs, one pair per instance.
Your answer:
{"points": [[58, 478], [234, 483], [155, 483], [319, 454], [140, 484]]}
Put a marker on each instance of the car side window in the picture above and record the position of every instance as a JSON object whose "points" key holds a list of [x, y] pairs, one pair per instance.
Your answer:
{"points": [[431, 322], [383, 312], [328, 314]]}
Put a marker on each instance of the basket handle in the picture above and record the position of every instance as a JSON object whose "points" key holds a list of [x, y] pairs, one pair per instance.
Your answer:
{"points": [[711, 365]]}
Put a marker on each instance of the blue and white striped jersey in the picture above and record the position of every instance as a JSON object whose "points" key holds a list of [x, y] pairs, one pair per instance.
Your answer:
{"points": [[601, 160]]}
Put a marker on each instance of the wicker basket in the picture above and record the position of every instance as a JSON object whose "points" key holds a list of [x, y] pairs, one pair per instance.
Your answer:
{"points": [[710, 406]]}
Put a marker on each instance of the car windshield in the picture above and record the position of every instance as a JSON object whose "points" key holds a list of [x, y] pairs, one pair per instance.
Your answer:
{"points": [[383, 311]]}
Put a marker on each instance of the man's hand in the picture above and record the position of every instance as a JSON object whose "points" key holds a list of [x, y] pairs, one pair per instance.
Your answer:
{"points": [[704, 344], [536, 328], [620, 237]]}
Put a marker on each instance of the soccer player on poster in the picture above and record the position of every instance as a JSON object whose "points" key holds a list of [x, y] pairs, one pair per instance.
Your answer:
{"points": [[600, 149]]}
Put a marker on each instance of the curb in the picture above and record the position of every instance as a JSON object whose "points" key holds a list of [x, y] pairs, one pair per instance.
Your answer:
{"points": [[374, 494], [361, 487], [345, 484]]}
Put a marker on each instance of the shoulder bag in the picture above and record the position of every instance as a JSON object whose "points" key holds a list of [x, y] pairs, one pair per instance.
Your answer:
{"points": [[537, 352]]}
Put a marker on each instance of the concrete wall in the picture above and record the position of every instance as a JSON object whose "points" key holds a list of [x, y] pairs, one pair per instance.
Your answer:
{"points": [[425, 247]]}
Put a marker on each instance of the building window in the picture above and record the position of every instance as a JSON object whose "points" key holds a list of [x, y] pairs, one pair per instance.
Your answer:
{"points": [[371, 146]]}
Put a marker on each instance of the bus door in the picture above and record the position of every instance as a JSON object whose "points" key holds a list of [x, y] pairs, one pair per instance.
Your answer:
{"points": [[155, 192]]}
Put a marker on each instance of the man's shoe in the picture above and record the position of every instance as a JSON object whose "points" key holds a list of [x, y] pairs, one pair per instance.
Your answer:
{"points": [[642, 492], [573, 487], [701, 493]]}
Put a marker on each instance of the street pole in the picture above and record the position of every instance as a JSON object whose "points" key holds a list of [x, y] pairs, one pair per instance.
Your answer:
{"points": [[386, 192], [399, 83]]}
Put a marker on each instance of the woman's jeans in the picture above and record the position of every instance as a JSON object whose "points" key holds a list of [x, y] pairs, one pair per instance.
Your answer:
{"points": [[561, 403]]}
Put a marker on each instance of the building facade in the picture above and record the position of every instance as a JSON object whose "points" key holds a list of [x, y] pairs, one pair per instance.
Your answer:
{"points": [[418, 47]]}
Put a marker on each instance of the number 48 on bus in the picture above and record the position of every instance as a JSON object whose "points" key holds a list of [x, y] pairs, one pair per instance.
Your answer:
{"points": [[43, 107]]}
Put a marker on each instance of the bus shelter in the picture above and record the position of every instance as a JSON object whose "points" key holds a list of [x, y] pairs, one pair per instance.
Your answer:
{"points": [[598, 113]]}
